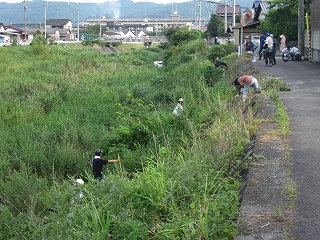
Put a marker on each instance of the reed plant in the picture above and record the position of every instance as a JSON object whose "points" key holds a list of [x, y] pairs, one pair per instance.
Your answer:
{"points": [[172, 182]]}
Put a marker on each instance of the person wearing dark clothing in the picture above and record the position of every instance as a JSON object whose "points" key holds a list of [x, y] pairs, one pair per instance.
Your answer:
{"points": [[268, 48], [98, 162], [262, 39], [248, 44], [220, 63], [274, 49]]}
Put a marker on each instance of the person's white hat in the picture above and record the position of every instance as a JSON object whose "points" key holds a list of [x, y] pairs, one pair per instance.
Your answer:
{"points": [[80, 181], [180, 100]]}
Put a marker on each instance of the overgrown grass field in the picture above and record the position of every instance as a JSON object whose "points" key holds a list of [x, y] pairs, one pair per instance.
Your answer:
{"points": [[61, 102]]}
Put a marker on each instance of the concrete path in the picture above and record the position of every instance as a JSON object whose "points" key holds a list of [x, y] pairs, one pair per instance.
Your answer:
{"points": [[303, 107]]}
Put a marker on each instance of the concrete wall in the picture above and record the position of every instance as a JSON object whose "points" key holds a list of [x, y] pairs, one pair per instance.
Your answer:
{"points": [[315, 33], [315, 46]]}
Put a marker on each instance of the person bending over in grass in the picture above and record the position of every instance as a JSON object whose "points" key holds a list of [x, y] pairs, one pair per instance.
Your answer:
{"points": [[98, 162], [244, 83], [178, 109], [219, 63]]}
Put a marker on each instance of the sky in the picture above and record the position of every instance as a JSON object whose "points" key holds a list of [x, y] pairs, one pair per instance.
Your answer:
{"points": [[162, 1], [102, 1]]}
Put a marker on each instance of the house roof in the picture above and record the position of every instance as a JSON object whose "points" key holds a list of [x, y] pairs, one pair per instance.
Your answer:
{"points": [[14, 29], [126, 31], [64, 31], [58, 21], [220, 9], [112, 33], [52, 30], [34, 30]]}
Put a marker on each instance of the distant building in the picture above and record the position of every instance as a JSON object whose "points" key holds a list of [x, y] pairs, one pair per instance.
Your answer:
{"points": [[19, 33], [60, 29], [59, 23], [140, 24], [220, 10]]}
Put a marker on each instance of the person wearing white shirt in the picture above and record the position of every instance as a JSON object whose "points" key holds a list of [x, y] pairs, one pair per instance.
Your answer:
{"points": [[294, 51], [256, 48], [178, 109], [286, 53], [268, 48], [218, 40]]}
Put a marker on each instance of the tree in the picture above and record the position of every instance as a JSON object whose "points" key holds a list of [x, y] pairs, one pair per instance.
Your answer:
{"points": [[169, 32], [215, 26], [176, 36], [282, 18], [94, 29]]}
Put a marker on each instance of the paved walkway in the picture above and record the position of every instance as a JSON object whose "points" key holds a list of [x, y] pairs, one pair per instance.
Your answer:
{"points": [[303, 107]]}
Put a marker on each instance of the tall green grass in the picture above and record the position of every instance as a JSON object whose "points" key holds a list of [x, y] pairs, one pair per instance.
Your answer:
{"points": [[60, 103]]}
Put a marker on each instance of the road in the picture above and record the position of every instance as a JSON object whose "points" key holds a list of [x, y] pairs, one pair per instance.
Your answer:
{"points": [[303, 107]]}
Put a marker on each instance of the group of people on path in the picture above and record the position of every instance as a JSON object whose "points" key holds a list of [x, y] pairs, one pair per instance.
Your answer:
{"points": [[262, 46], [266, 47]]}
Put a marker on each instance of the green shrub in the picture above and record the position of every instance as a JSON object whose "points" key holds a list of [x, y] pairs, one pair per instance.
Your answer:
{"points": [[170, 182], [220, 51], [24, 192]]}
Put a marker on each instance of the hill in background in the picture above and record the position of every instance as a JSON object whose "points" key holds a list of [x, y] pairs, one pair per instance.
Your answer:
{"points": [[14, 13]]}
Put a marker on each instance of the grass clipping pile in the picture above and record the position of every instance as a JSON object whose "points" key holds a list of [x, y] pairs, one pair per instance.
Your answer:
{"points": [[266, 211]]}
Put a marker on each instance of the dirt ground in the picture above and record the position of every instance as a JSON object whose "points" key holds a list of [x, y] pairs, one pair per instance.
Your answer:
{"points": [[265, 210]]}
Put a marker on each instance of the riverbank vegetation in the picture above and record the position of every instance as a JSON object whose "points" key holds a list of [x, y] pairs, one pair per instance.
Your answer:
{"points": [[61, 102]]}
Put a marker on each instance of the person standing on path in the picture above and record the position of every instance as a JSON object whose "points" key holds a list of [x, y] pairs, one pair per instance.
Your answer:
{"points": [[268, 48], [283, 42], [262, 40], [98, 162], [274, 49], [248, 44], [256, 48]]}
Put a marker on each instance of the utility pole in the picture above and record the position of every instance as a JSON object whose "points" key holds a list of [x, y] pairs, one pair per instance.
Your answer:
{"points": [[234, 13], [25, 20], [45, 19], [78, 31], [225, 17], [301, 26], [100, 29], [200, 3]]}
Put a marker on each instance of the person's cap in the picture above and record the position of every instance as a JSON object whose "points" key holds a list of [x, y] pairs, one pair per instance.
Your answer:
{"points": [[256, 36], [261, 32], [247, 36], [271, 35], [97, 152], [180, 100], [217, 59], [80, 181], [267, 33]]}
